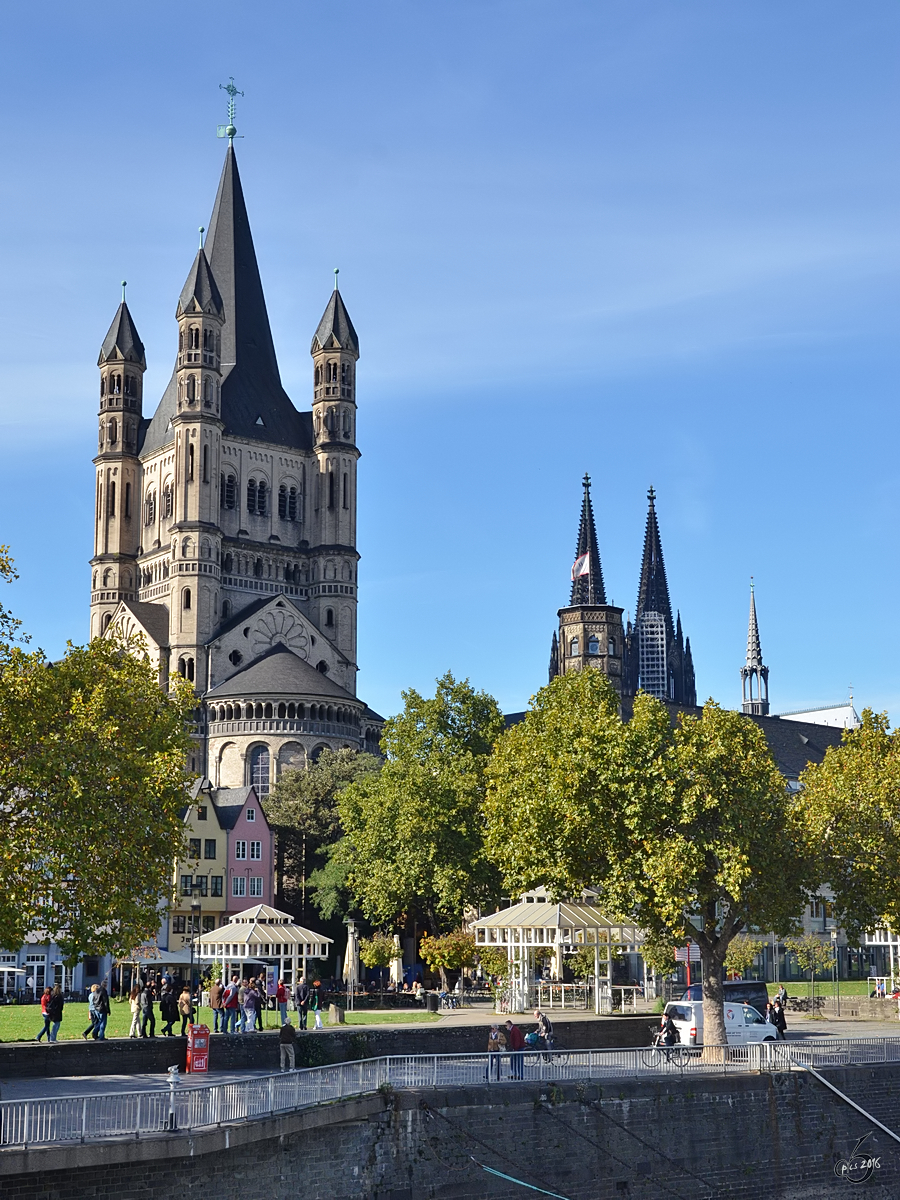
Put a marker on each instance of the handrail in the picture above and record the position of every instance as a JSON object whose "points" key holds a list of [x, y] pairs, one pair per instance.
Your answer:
{"points": [[147, 1113]]}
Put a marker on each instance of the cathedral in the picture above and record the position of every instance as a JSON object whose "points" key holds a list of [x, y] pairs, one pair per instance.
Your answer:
{"points": [[652, 654], [225, 523]]}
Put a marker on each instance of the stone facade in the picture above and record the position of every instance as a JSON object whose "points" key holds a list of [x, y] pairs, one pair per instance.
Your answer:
{"points": [[225, 524]]}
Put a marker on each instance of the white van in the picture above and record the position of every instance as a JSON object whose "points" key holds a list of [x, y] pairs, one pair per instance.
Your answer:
{"points": [[743, 1023]]}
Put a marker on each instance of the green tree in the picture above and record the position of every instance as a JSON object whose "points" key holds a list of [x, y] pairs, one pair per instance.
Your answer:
{"points": [[448, 952], [302, 810], [812, 955], [851, 804], [494, 961], [379, 950], [742, 953], [10, 626], [686, 829], [92, 783], [415, 831]]}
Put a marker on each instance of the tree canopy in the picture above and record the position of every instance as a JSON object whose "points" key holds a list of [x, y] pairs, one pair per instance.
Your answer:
{"points": [[686, 829], [302, 810], [851, 806], [414, 833], [92, 782]]}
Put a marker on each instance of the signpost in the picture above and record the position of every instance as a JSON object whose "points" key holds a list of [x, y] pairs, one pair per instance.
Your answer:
{"points": [[688, 954]]}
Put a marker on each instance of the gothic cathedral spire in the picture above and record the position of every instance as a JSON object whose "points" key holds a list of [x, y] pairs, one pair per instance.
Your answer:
{"points": [[587, 574], [754, 676]]}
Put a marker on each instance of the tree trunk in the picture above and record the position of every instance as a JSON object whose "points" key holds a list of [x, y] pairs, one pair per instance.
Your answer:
{"points": [[713, 959]]}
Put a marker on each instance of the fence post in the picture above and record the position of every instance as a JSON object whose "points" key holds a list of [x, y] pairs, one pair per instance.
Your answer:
{"points": [[137, 1117], [84, 1118], [271, 1094], [27, 1122]]}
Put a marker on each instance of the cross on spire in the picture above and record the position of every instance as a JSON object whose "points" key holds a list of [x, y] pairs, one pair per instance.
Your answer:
{"points": [[229, 130]]}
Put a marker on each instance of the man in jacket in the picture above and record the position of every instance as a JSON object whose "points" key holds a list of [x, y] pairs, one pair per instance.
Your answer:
{"points": [[215, 1003], [147, 1017], [230, 1005], [287, 1044], [515, 1040], [301, 999], [281, 1000]]}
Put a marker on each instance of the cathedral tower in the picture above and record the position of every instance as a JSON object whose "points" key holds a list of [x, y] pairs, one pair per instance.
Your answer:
{"points": [[754, 676], [116, 513], [658, 658], [590, 630]]}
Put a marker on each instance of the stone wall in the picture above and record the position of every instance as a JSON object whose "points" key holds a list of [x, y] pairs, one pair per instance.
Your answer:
{"points": [[232, 1052], [750, 1137]]}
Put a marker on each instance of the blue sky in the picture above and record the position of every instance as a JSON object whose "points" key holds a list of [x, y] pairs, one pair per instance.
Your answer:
{"points": [[658, 242]]}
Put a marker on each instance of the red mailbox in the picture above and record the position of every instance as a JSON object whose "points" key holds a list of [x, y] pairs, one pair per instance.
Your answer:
{"points": [[197, 1049]]}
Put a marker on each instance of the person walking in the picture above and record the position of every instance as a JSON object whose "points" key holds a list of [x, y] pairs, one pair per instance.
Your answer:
{"points": [[168, 1010], [147, 1015], [287, 1045], [45, 1000], [259, 986], [781, 995], [301, 999], [315, 1003], [544, 1028], [249, 1008], [496, 1045], [103, 1011], [134, 1000], [186, 1008], [93, 1014], [780, 1022], [515, 1039], [281, 1000], [215, 1003], [55, 1006], [242, 1000], [230, 1005]]}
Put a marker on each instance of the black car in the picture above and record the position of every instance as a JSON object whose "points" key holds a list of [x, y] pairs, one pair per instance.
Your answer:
{"points": [[746, 991]]}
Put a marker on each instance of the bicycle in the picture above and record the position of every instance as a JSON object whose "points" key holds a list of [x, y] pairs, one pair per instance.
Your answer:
{"points": [[658, 1052], [550, 1051]]}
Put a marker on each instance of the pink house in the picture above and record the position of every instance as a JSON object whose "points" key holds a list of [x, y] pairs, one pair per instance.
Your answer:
{"points": [[250, 863]]}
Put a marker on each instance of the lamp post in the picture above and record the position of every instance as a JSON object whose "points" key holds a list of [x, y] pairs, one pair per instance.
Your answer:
{"points": [[351, 960], [195, 930], [836, 975]]}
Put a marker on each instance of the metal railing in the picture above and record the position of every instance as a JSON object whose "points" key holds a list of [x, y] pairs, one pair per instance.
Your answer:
{"points": [[139, 1114]]}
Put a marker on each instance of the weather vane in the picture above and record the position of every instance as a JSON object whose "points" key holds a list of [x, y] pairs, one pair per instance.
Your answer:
{"points": [[229, 130]]}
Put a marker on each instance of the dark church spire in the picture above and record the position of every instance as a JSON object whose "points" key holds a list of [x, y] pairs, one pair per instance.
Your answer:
{"points": [[653, 590], [122, 340], [335, 331], [754, 676], [587, 573], [554, 657]]}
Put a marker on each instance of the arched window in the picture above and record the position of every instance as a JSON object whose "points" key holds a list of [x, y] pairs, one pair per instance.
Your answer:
{"points": [[150, 508], [115, 384], [322, 666], [573, 647], [593, 645], [191, 461], [251, 495], [259, 769], [282, 502], [191, 389], [333, 368], [262, 498], [346, 422], [102, 385], [107, 617], [329, 618], [228, 491], [207, 391], [346, 494], [111, 498], [292, 504], [228, 565], [258, 568], [331, 489], [180, 339], [127, 499], [205, 463], [345, 373], [226, 609], [130, 385], [282, 711], [186, 598], [113, 428], [195, 338]]}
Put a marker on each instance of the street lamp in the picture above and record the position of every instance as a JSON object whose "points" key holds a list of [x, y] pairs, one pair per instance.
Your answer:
{"points": [[836, 975], [195, 930]]}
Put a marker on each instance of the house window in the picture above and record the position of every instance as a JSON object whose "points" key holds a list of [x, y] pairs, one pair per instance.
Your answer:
{"points": [[240, 850], [251, 814], [238, 886], [200, 883], [209, 848], [215, 885], [256, 850], [573, 646], [186, 881], [593, 645], [178, 924], [259, 770], [256, 885], [209, 924], [201, 812], [194, 848]]}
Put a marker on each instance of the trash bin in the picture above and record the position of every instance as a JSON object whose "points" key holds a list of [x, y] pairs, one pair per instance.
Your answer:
{"points": [[431, 1002]]}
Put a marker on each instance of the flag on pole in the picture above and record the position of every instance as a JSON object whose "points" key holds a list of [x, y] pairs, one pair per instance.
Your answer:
{"points": [[582, 566]]}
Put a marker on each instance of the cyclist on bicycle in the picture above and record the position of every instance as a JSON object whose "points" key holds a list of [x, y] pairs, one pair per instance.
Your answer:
{"points": [[668, 1034], [544, 1028]]}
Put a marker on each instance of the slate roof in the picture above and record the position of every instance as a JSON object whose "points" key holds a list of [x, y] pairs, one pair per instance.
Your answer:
{"points": [[336, 325], [123, 337], [201, 286], [251, 384], [279, 672], [793, 744], [245, 614], [229, 802], [153, 617]]}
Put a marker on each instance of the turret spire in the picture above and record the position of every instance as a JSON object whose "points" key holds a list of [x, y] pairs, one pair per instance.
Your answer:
{"points": [[653, 590], [754, 676], [587, 571]]}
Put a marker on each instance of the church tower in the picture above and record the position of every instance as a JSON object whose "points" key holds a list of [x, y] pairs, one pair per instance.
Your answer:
{"points": [[590, 630], [118, 480], [754, 676], [658, 658], [335, 351]]}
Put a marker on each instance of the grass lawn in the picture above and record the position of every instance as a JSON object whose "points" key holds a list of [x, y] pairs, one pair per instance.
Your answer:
{"points": [[23, 1022]]}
